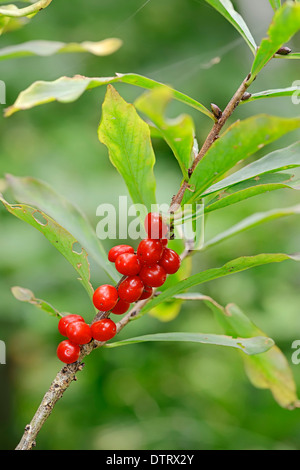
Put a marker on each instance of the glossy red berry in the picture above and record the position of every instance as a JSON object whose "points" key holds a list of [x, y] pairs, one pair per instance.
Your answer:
{"points": [[68, 352], [79, 332], [117, 250], [170, 261], [131, 289], [128, 264], [105, 297], [164, 242], [153, 276], [149, 251], [121, 307], [155, 226], [64, 322], [103, 330], [147, 292]]}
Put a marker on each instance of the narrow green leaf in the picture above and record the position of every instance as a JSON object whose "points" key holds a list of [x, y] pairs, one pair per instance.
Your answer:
{"points": [[25, 295], [42, 196], [293, 55], [66, 90], [232, 267], [62, 240], [226, 9], [179, 133], [249, 346], [15, 12], [250, 222], [285, 24], [283, 159], [275, 4], [253, 187], [241, 140], [47, 48], [276, 93], [127, 138]]}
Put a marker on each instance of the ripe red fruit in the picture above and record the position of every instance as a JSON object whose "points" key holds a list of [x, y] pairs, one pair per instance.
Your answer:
{"points": [[64, 322], [147, 292], [149, 251], [121, 307], [128, 264], [103, 330], [155, 226], [117, 250], [170, 261], [153, 276], [105, 297], [79, 332], [164, 241], [131, 289], [68, 352]]}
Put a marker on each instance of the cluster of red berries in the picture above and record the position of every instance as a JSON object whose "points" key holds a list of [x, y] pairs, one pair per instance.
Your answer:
{"points": [[78, 333], [144, 270]]}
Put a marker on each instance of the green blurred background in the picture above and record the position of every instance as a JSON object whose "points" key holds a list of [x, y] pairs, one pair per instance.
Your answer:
{"points": [[152, 395]]}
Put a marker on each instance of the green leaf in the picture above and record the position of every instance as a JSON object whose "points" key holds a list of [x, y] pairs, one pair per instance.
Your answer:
{"points": [[62, 240], [127, 138], [15, 12], [240, 141], [288, 157], [253, 187], [66, 90], [226, 9], [252, 221], [232, 267], [47, 48], [267, 371], [285, 24], [275, 4], [40, 195], [179, 133], [295, 55], [275, 93], [249, 346], [25, 295]]}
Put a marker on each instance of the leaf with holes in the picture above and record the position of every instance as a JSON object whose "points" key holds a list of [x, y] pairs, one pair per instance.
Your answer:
{"points": [[59, 237], [42, 196]]}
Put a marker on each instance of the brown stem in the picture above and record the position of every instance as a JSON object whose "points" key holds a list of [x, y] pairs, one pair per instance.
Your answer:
{"points": [[68, 373], [211, 138]]}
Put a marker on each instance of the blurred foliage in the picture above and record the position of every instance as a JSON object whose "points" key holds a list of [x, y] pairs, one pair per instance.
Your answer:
{"points": [[147, 396]]}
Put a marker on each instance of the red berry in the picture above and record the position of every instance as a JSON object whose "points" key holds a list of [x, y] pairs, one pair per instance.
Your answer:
{"points": [[117, 250], [153, 276], [128, 264], [147, 292], [105, 297], [154, 226], [68, 352], [103, 330], [64, 322], [170, 261], [131, 289], [121, 307], [149, 251], [164, 241], [79, 332]]}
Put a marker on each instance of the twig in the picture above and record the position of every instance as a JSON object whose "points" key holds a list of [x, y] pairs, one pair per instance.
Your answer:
{"points": [[68, 373]]}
